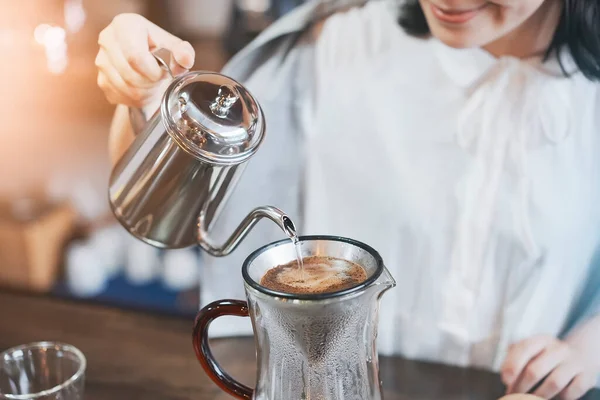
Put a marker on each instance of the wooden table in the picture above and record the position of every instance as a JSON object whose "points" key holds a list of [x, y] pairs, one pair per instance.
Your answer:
{"points": [[133, 355]]}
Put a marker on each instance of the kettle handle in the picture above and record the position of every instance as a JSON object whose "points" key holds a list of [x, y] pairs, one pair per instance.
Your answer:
{"points": [[137, 117], [204, 318], [137, 120], [163, 57]]}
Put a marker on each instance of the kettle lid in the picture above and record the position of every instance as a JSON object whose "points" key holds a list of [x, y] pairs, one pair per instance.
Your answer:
{"points": [[213, 117]]}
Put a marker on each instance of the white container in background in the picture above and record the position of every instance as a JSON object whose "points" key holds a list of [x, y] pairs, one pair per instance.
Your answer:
{"points": [[181, 269], [110, 244], [142, 264], [86, 274]]}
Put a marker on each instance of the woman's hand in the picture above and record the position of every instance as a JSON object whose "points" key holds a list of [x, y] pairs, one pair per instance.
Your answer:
{"points": [[127, 72], [562, 368]]}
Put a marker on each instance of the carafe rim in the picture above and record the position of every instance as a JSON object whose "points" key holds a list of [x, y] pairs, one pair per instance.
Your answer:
{"points": [[313, 297]]}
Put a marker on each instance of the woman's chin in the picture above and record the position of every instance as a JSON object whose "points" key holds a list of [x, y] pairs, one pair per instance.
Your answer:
{"points": [[458, 39]]}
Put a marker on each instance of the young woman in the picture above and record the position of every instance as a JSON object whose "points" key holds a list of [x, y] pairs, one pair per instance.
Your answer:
{"points": [[458, 137]]}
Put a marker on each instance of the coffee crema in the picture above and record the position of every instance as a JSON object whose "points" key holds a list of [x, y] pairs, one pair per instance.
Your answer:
{"points": [[319, 275]]}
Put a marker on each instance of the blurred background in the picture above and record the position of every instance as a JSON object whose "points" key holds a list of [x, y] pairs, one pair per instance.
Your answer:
{"points": [[57, 234]]}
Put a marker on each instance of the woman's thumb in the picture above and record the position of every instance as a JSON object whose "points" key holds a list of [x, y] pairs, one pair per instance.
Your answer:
{"points": [[184, 55]]}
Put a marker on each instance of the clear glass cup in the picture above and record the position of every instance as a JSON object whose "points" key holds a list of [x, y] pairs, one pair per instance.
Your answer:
{"points": [[42, 371]]}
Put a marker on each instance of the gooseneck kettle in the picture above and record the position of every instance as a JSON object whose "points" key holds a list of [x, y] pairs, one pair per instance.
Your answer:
{"points": [[171, 184]]}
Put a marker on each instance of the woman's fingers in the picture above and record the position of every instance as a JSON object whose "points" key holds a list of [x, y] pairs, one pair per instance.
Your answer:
{"points": [[557, 380], [541, 366], [109, 80], [578, 387], [519, 355], [131, 34]]}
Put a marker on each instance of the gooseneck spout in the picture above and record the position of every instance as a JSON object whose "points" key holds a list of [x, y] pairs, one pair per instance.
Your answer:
{"points": [[274, 214]]}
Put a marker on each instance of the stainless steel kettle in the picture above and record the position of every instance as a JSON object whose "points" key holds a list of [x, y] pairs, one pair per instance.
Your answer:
{"points": [[171, 184]]}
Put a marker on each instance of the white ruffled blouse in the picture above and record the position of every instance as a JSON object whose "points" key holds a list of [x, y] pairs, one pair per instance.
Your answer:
{"points": [[476, 178]]}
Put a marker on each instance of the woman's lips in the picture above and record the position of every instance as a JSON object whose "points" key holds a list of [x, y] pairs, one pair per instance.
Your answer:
{"points": [[455, 16]]}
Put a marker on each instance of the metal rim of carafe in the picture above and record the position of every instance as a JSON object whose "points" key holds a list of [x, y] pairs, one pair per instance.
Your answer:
{"points": [[313, 297], [198, 154]]}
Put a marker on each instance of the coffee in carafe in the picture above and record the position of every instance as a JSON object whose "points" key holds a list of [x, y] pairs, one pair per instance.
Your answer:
{"points": [[317, 275]]}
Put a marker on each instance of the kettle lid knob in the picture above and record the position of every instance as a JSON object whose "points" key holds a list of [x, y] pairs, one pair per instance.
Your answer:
{"points": [[226, 98]]}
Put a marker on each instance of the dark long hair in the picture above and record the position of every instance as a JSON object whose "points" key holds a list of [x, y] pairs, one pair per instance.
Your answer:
{"points": [[578, 30]]}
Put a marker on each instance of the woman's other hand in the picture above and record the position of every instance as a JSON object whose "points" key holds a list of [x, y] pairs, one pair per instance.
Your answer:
{"points": [[556, 367]]}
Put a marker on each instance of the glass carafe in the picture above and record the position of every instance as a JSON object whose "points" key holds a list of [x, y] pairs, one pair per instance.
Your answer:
{"points": [[318, 347]]}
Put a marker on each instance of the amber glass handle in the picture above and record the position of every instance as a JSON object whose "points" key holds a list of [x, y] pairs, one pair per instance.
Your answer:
{"points": [[207, 315]]}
